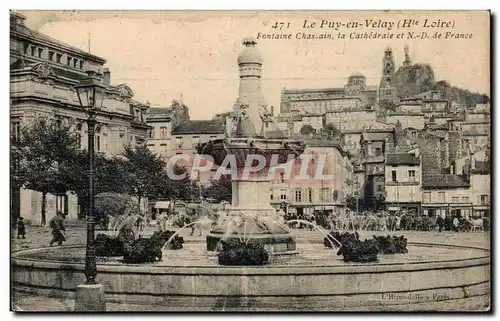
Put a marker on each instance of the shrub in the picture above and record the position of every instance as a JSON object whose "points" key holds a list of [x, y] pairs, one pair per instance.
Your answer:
{"points": [[236, 252], [357, 251], [341, 237], [385, 244], [149, 250], [118, 206]]}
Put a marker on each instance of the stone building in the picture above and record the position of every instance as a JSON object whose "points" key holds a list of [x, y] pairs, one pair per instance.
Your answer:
{"points": [[373, 150], [403, 178], [446, 195], [304, 196], [355, 94], [43, 73], [162, 120], [185, 138]]}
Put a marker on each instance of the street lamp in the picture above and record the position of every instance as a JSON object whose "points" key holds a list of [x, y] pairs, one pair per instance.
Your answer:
{"points": [[90, 296]]}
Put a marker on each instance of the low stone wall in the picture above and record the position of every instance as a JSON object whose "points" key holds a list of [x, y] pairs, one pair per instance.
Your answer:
{"points": [[269, 287]]}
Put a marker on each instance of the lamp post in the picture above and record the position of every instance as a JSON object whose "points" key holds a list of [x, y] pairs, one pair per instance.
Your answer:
{"points": [[90, 296]]}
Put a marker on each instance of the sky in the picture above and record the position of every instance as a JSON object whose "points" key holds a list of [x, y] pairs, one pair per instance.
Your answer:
{"points": [[163, 55]]}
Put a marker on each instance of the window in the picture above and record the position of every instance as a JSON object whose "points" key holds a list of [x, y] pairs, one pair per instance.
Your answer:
{"points": [[51, 55], [394, 176], [484, 199], [69, 61], [40, 51], [75, 63], [26, 49], [152, 133], [465, 199], [378, 151], [98, 143], [16, 130], [283, 194], [33, 49], [427, 197], [196, 141], [282, 177], [298, 195], [178, 142], [78, 136], [163, 132], [325, 194], [58, 58], [455, 199], [411, 175], [81, 64], [310, 195], [441, 197]]}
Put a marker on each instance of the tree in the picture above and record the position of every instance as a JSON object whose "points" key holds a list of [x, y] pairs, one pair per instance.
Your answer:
{"points": [[178, 189], [307, 130], [110, 175], [220, 190], [331, 131], [144, 169], [45, 152]]}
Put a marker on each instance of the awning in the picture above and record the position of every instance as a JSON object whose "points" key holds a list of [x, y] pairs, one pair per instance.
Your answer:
{"points": [[162, 205]]}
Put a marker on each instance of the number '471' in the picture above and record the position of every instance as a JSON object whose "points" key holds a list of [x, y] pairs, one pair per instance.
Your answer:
{"points": [[280, 25]]}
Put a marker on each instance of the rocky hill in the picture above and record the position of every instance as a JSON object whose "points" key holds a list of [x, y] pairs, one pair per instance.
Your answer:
{"points": [[419, 78]]}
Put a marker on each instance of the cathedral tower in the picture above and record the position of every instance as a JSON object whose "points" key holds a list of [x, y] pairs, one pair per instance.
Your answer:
{"points": [[387, 91]]}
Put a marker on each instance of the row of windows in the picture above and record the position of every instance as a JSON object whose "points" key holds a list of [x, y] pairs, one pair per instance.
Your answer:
{"points": [[411, 176], [33, 51], [306, 195], [53, 56], [427, 198]]}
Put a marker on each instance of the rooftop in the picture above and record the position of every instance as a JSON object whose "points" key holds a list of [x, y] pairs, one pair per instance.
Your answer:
{"points": [[23, 30], [374, 136], [214, 126], [402, 159], [481, 167], [313, 90], [443, 181]]}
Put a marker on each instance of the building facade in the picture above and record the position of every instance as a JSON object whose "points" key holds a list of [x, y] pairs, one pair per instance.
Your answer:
{"points": [[403, 177], [43, 73]]}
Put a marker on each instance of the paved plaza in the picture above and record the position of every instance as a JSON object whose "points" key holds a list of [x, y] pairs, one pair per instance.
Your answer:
{"points": [[40, 237]]}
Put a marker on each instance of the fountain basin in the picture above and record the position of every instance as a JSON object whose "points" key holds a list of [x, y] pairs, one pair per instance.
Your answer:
{"points": [[314, 279]]}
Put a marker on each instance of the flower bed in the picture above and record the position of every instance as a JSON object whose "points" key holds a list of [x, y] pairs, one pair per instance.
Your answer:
{"points": [[355, 250], [236, 252]]}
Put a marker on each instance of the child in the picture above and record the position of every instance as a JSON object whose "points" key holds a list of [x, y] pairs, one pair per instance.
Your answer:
{"points": [[21, 230]]}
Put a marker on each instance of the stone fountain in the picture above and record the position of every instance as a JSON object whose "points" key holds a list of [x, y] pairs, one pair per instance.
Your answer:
{"points": [[251, 216]]}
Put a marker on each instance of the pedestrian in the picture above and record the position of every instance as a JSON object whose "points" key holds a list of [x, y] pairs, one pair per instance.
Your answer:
{"points": [[455, 224], [21, 230], [440, 223], [58, 229]]}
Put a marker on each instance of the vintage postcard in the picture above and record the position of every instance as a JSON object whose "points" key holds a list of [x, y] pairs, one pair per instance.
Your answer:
{"points": [[290, 161]]}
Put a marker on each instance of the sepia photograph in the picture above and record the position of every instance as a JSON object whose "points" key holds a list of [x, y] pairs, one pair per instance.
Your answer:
{"points": [[250, 161]]}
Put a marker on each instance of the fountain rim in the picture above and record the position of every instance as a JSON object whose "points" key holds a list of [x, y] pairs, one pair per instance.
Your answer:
{"points": [[345, 268]]}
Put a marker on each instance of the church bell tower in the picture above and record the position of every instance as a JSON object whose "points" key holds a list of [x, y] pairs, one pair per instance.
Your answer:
{"points": [[387, 91]]}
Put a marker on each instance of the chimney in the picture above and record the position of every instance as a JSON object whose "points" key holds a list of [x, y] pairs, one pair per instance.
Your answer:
{"points": [[107, 77]]}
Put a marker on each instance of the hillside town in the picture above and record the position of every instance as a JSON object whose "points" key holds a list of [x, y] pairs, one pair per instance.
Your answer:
{"points": [[387, 148]]}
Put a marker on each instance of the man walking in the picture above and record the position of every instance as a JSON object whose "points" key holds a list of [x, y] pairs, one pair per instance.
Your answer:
{"points": [[58, 229]]}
